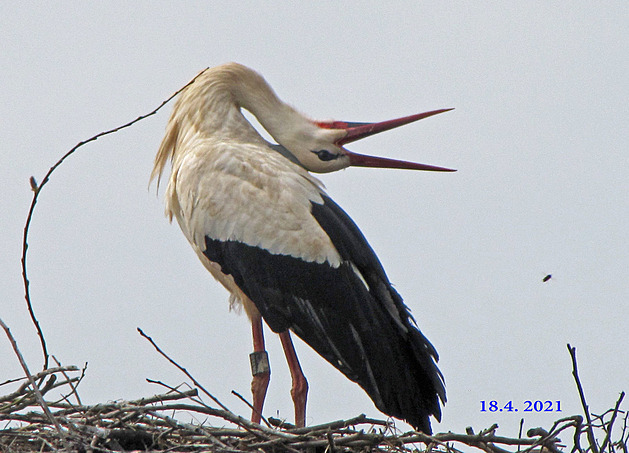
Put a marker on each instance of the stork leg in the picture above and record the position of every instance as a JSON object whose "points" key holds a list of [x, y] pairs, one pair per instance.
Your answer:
{"points": [[260, 369], [299, 391]]}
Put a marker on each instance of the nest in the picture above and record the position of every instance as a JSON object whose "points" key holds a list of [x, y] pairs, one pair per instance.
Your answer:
{"points": [[157, 424]]}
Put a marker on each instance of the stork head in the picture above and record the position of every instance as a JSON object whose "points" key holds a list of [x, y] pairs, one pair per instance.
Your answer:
{"points": [[320, 146]]}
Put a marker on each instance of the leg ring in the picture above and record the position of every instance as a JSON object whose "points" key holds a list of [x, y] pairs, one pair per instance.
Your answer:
{"points": [[259, 363]]}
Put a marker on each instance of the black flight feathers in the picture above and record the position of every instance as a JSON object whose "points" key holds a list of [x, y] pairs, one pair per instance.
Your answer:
{"points": [[360, 325]]}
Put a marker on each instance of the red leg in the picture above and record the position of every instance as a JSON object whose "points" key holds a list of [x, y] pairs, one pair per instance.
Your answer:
{"points": [[299, 392], [259, 368]]}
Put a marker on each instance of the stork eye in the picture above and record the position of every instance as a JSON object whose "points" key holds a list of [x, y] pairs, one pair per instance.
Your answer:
{"points": [[325, 155]]}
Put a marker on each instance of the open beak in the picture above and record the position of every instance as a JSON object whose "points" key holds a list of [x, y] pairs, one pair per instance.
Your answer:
{"points": [[356, 131]]}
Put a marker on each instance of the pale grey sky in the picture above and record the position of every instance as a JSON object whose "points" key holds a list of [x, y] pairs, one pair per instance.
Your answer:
{"points": [[539, 137]]}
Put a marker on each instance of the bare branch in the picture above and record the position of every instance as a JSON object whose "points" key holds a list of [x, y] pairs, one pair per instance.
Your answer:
{"points": [[586, 410], [182, 369], [611, 422], [242, 398], [40, 398], [37, 191], [74, 386]]}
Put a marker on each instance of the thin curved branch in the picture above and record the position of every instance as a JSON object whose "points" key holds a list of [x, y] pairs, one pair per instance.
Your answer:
{"points": [[37, 190]]}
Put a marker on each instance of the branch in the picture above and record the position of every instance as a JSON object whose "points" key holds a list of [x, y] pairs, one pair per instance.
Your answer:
{"points": [[575, 373], [40, 398], [72, 385], [243, 399], [611, 422], [37, 190], [182, 369]]}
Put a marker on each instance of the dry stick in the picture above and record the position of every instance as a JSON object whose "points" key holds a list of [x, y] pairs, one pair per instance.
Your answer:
{"points": [[546, 439], [38, 394], [622, 435], [572, 421], [576, 440], [182, 369], [466, 439], [191, 394], [575, 373], [98, 409], [41, 374], [195, 429], [165, 397], [72, 385], [331, 447], [37, 190], [175, 390], [611, 422], [254, 428], [339, 424], [242, 398]]}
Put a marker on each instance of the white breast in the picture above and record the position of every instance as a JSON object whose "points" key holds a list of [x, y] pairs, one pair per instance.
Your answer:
{"points": [[247, 193]]}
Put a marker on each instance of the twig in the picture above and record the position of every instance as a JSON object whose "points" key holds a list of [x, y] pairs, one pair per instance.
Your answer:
{"points": [[575, 373], [182, 369], [38, 394], [167, 397], [622, 440], [577, 434], [191, 393], [339, 424], [611, 422], [467, 439], [36, 376], [73, 386], [242, 398], [331, 446], [37, 191], [215, 440]]}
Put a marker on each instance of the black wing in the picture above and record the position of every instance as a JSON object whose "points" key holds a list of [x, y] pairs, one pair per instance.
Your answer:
{"points": [[350, 315]]}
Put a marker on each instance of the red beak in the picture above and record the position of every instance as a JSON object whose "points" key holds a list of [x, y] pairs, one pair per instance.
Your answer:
{"points": [[356, 131]]}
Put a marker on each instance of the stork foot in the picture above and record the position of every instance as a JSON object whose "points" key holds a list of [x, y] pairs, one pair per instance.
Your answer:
{"points": [[299, 393], [299, 390]]}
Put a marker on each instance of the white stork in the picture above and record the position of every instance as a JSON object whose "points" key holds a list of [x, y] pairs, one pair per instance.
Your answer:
{"points": [[267, 231]]}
